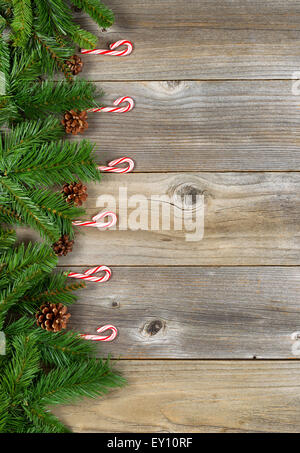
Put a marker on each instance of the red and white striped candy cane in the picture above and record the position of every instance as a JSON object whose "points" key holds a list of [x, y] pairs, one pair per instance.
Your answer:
{"points": [[88, 275], [112, 167], [95, 220], [111, 337], [116, 109], [112, 51]]}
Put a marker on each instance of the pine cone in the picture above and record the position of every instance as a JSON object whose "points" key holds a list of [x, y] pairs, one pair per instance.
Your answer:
{"points": [[75, 64], [63, 246], [52, 317], [75, 122], [75, 192]]}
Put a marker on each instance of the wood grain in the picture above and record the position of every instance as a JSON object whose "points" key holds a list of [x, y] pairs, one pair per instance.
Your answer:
{"points": [[192, 396], [249, 219], [198, 126], [200, 313], [214, 39]]}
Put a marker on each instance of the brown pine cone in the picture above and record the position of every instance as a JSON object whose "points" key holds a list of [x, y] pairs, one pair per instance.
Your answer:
{"points": [[75, 192], [52, 317], [63, 246], [75, 64], [75, 122]]}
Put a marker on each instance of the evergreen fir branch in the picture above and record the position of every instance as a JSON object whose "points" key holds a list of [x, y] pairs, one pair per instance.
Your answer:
{"points": [[59, 212], [52, 55], [54, 16], [99, 12], [4, 410], [2, 21], [22, 22], [7, 239], [31, 214], [47, 164], [6, 12], [42, 421], [9, 216], [4, 56], [53, 288], [8, 110], [22, 368], [49, 97], [63, 348], [83, 38], [11, 294], [16, 260], [26, 67], [90, 378], [25, 135], [62, 42], [23, 325]]}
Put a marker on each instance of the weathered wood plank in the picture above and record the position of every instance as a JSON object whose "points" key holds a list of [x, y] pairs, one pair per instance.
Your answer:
{"points": [[192, 396], [198, 126], [200, 313], [215, 39], [249, 219]]}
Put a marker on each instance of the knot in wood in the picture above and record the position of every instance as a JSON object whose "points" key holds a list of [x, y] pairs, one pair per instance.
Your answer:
{"points": [[187, 195], [153, 327]]}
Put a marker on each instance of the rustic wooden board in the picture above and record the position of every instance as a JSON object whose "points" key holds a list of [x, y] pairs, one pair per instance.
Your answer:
{"points": [[215, 39], [192, 312], [249, 219], [193, 396], [198, 126]]}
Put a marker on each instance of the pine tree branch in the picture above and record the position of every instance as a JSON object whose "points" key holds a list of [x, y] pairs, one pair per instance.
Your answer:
{"points": [[14, 292], [16, 260], [83, 38], [22, 22], [52, 55], [25, 135], [22, 367], [54, 16], [47, 164], [7, 239], [84, 379], [54, 289], [59, 212], [57, 97], [63, 348], [9, 216], [31, 213], [42, 421], [99, 12]]}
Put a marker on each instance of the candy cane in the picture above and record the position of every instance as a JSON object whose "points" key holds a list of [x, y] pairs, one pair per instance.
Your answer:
{"points": [[127, 108], [112, 51], [88, 275], [111, 337], [113, 166], [95, 220]]}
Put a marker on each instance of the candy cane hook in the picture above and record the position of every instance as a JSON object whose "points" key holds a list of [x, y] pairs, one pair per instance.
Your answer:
{"points": [[88, 275], [113, 166], [112, 51], [116, 109], [111, 337], [95, 220]]}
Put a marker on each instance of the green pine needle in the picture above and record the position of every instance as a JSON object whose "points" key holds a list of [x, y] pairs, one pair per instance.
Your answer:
{"points": [[99, 12], [22, 22]]}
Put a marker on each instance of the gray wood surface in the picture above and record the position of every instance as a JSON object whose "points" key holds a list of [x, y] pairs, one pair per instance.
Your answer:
{"points": [[249, 219], [193, 396], [192, 312], [211, 39], [213, 91], [196, 126]]}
